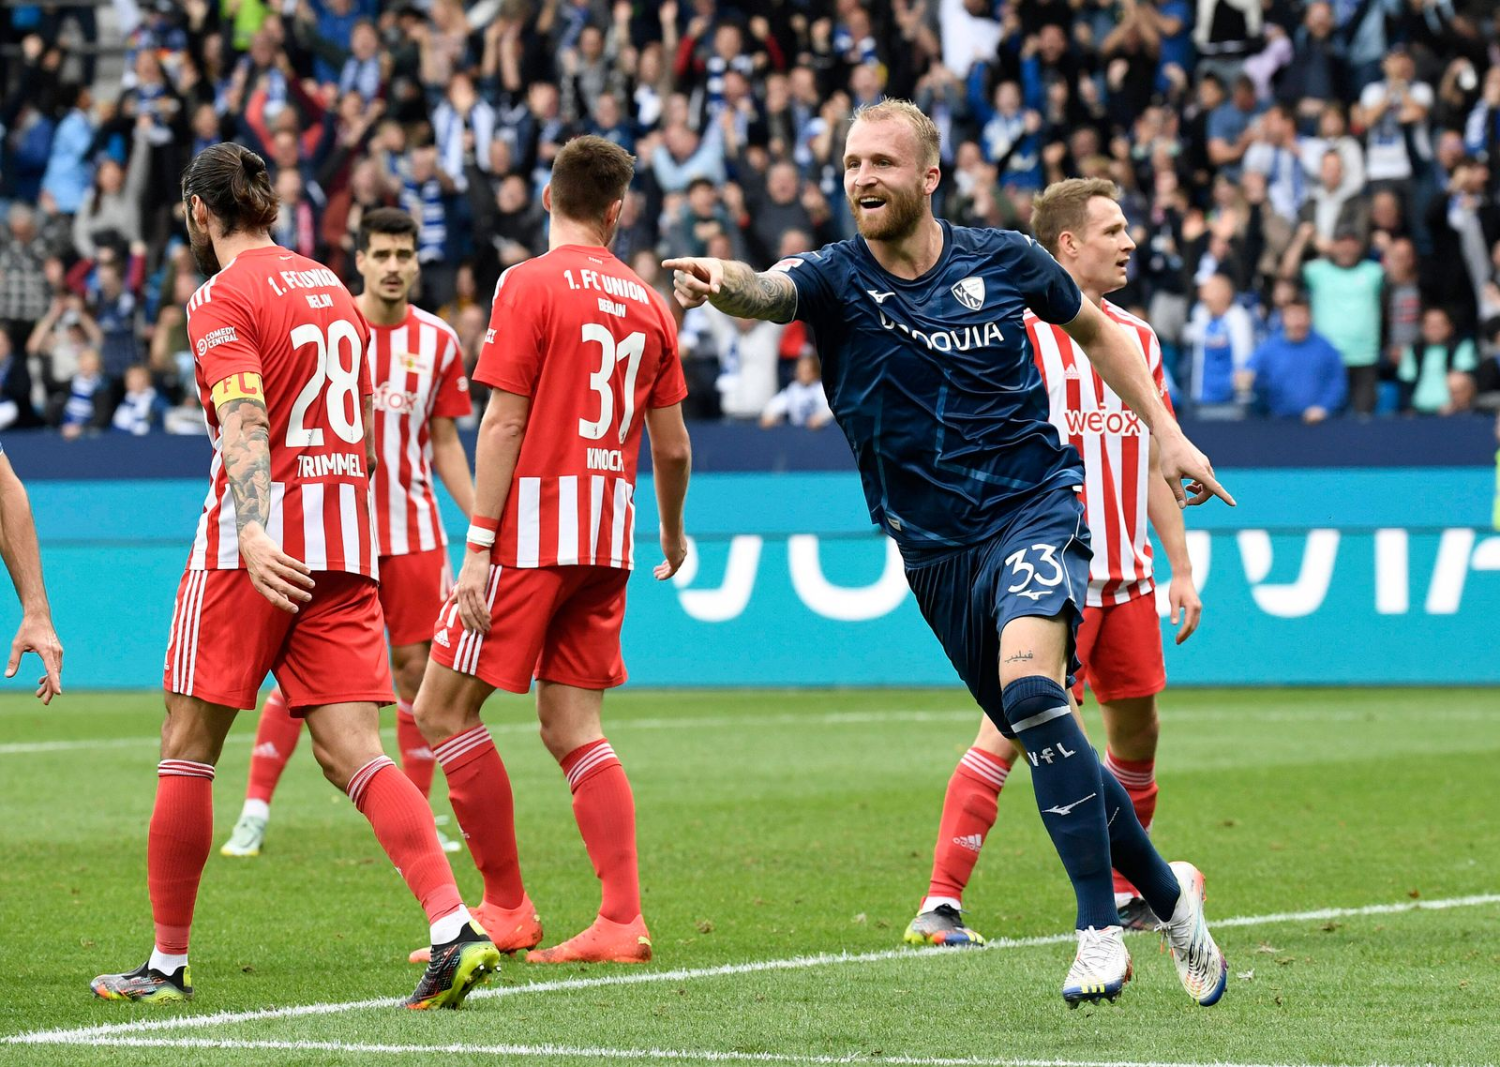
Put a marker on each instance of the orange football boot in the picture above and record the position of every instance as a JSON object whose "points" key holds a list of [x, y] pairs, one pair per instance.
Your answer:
{"points": [[603, 942], [511, 929]]}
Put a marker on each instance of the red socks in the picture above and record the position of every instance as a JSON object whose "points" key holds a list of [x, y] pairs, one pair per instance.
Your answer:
{"points": [[275, 740], [968, 813], [417, 760], [479, 790], [1139, 779], [402, 822], [182, 830], [605, 810]]}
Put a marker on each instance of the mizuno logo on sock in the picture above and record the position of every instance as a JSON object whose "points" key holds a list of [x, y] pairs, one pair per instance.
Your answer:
{"points": [[1067, 809], [972, 842]]}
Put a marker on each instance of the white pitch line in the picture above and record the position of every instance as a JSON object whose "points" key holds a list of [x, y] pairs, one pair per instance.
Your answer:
{"points": [[110, 1030], [550, 1051], [835, 718]]}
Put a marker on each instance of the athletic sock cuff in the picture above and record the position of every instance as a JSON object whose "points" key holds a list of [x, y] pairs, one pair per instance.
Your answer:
{"points": [[461, 747], [181, 768], [404, 711], [1138, 773], [362, 778], [585, 761], [984, 767], [1033, 701]]}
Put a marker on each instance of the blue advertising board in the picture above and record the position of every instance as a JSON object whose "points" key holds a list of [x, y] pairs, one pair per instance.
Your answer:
{"points": [[1320, 576]]}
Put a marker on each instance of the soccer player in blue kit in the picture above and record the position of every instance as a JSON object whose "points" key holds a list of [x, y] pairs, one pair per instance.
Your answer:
{"points": [[925, 359]]}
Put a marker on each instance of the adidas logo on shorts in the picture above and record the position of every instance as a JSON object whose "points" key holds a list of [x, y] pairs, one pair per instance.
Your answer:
{"points": [[441, 638]]}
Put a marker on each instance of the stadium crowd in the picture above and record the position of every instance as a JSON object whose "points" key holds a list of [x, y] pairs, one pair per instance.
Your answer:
{"points": [[1313, 185]]}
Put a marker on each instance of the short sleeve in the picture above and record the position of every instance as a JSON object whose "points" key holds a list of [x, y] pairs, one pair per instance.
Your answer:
{"points": [[511, 358], [1464, 358], [224, 339], [1159, 374], [1046, 288], [1407, 371], [453, 387], [807, 271], [670, 386]]}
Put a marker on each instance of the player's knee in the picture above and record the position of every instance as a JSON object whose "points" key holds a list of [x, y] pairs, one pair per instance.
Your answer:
{"points": [[410, 664], [557, 738], [1034, 701], [185, 736]]}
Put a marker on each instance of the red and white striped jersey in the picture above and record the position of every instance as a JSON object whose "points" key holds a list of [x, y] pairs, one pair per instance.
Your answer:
{"points": [[594, 347], [291, 321], [1116, 450], [418, 372]]}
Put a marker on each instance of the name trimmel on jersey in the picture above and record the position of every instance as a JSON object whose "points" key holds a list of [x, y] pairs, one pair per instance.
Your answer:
{"points": [[960, 340]]}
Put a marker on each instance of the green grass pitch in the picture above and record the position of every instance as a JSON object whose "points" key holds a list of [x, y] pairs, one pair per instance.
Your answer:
{"points": [[779, 830]]}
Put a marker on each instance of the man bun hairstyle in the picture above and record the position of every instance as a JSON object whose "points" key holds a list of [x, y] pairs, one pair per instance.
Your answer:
{"points": [[588, 175], [234, 185], [391, 221], [1064, 207]]}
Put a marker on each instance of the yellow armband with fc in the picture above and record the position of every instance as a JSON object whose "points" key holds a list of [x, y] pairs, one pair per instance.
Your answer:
{"points": [[244, 386]]}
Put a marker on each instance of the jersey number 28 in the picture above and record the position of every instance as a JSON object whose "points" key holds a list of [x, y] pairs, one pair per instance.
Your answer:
{"points": [[612, 352], [343, 385]]}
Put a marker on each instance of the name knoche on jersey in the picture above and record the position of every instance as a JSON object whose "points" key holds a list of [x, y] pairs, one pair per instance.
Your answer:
{"points": [[606, 459], [321, 278], [960, 340], [624, 288], [1114, 423]]}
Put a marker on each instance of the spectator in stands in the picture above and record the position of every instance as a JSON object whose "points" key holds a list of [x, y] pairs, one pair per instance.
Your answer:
{"points": [[1227, 32], [702, 216], [186, 419], [1222, 335], [1440, 371], [24, 293], [1335, 204], [1394, 113], [1231, 127], [112, 209], [803, 402], [1401, 300], [85, 407], [1276, 153], [1487, 377], [15, 389], [141, 408], [1317, 75], [1345, 288], [115, 309], [1295, 373], [58, 337], [748, 351], [68, 167], [1464, 226]]}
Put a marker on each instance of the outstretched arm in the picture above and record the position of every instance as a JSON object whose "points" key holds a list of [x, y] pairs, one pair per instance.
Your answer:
{"points": [[1119, 363], [23, 559], [734, 288]]}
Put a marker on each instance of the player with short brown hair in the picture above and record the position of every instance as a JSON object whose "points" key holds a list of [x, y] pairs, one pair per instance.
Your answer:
{"points": [[580, 354], [420, 389]]}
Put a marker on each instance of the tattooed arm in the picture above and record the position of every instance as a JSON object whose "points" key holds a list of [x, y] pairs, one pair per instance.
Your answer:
{"points": [[245, 445], [734, 288]]}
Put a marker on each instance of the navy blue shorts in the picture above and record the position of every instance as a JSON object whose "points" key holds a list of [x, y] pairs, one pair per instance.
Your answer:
{"points": [[1037, 565]]}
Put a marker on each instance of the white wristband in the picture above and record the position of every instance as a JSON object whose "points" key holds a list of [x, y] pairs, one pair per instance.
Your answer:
{"points": [[478, 535]]}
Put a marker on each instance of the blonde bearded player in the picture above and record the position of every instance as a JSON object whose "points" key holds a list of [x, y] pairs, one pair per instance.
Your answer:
{"points": [[420, 389], [1080, 222]]}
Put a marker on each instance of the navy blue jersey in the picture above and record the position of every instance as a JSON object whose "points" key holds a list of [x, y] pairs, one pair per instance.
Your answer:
{"points": [[933, 383]]}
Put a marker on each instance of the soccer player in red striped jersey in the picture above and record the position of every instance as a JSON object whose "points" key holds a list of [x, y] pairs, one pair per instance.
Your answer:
{"points": [[580, 354], [1119, 643], [420, 389], [282, 575]]}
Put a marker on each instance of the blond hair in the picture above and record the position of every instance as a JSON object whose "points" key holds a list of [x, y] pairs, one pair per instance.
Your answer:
{"points": [[1064, 207], [925, 130]]}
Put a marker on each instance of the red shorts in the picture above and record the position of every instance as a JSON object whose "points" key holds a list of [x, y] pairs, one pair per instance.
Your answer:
{"points": [[559, 624], [226, 638], [1120, 646], [413, 588]]}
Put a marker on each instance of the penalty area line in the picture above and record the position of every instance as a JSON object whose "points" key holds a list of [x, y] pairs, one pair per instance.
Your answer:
{"points": [[91, 1034], [655, 1055]]}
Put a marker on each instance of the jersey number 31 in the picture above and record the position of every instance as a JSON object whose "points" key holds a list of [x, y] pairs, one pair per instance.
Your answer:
{"points": [[612, 353]]}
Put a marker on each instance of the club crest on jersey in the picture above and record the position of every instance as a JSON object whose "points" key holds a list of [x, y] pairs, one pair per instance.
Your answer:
{"points": [[411, 362], [970, 292]]}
